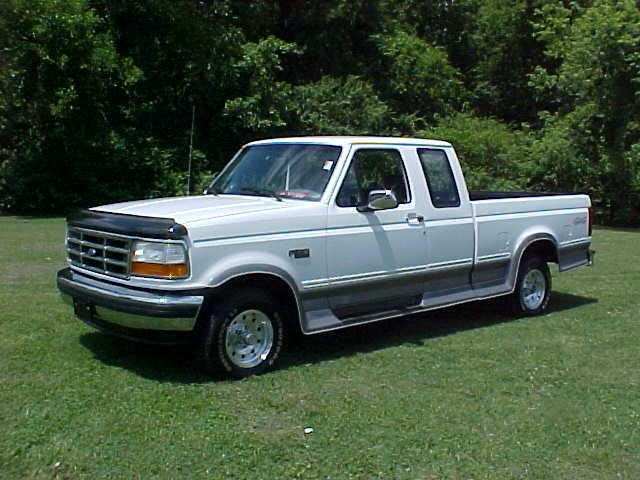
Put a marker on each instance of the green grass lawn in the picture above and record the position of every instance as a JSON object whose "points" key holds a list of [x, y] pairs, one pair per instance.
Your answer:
{"points": [[463, 393]]}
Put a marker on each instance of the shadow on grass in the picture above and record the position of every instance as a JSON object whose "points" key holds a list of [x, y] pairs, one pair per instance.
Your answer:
{"points": [[174, 364], [414, 329], [164, 363]]}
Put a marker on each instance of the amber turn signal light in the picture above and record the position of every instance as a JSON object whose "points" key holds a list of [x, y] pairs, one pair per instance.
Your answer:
{"points": [[173, 270]]}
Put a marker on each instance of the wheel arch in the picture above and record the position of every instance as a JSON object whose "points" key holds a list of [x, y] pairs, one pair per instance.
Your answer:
{"points": [[541, 243], [275, 283], [544, 247]]}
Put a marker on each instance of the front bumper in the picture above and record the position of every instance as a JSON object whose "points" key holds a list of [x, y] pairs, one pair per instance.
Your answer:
{"points": [[128, 312]]}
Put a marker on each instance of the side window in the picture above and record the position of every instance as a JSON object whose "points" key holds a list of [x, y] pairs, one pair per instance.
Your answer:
{"points": [[442, 185], [373, 169]]}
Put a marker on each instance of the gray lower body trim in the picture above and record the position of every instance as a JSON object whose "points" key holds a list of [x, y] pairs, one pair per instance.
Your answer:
{"points": [[341, 306], [491, 272], [324, 319], [574, 255]]}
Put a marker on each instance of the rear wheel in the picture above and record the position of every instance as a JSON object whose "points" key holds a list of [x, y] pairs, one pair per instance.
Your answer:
{"points": [[242, 335], [533, 287]]}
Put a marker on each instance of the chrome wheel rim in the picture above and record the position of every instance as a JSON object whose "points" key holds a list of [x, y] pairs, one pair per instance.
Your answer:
{"points": [[249, 338], [533, 289]]}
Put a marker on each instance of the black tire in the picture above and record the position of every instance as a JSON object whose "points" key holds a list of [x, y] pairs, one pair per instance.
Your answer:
{"points": [[517, 303], [214, 339]]}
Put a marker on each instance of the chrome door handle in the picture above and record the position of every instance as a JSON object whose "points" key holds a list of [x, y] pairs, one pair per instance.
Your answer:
{"points": [[414, 218]]}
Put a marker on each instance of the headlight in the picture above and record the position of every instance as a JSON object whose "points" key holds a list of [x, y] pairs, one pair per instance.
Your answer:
{"points": [[159, 259]]}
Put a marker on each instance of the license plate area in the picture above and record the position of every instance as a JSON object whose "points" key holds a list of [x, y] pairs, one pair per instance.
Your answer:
{"points": [[84, 310]]}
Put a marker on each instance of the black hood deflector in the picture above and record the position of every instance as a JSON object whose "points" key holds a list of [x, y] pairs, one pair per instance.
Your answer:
{"points": [[133, 225]]}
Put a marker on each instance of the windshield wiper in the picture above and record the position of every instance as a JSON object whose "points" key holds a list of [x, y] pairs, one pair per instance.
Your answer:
{"points": [[261, 191]]}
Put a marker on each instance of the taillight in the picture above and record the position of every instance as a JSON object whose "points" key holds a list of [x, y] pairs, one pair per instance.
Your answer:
{"points": [[590, 220]]}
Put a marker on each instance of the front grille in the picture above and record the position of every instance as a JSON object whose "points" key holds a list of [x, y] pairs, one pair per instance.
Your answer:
{"points": [[99, 251]]}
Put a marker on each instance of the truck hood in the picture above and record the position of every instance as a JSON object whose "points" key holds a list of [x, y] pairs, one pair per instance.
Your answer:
{"points": [[191, 210]]}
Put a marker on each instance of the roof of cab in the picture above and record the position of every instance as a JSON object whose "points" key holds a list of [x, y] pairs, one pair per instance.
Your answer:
{"points": [[354, 140]]}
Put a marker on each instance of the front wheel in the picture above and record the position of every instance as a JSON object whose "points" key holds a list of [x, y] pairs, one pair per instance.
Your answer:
{"points": [[241, 336], [533, 288]]}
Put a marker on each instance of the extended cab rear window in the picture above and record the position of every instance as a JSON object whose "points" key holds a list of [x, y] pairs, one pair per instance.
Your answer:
{"points": [[437, 170]]}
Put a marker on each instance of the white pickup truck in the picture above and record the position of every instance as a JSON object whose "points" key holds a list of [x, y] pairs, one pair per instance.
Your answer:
{"points": [[314, 234]]}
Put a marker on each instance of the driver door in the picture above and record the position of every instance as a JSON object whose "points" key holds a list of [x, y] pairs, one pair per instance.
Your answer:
{"points": [[375, 258]]}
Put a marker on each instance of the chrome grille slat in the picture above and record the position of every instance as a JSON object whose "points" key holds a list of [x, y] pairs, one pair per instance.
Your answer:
{"points": [[86, 243], [116, 262], [116, 250], [107, 260], [100, 252], [108, 248]]}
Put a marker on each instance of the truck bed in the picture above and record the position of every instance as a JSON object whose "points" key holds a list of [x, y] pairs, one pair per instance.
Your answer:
{"points": [[503, 222]]}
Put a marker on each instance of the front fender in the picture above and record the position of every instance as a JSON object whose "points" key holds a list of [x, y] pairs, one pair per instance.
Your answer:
{"points": [[247, 263]]}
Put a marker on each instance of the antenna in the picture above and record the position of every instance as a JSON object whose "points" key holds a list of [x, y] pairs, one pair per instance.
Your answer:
{"points": [[193, 118]]}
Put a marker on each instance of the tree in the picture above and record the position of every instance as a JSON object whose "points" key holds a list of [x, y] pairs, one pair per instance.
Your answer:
{"points": [[96, 96], [186, 51], [417, 77], [507, 52], [449, 24], [598, 54], [340, 106], [491, 155], [64, 73], [262, 110]]}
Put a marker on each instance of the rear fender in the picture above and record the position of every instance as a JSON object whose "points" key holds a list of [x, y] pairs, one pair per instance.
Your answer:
{"points": [[527, 240]]}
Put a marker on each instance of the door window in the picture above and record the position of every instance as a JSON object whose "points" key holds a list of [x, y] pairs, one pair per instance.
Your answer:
{"points": [[373, 169]]}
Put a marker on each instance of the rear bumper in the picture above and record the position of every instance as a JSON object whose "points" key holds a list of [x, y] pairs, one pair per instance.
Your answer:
{"points": [[128, 312]]}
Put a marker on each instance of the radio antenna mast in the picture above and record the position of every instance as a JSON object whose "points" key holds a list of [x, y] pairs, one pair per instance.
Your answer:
{"points": [[193, 118]]}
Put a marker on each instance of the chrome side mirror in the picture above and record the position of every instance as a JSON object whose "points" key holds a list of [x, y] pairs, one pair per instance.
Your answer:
{"points": [[379, 200]]}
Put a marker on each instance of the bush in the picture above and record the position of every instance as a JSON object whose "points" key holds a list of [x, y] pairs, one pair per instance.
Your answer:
{"points": [[558, 162], [418, 77], [339, 106], [492, 156]]}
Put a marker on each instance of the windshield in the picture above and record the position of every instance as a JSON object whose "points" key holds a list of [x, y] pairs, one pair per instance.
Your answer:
{"points": [[285, 170]]}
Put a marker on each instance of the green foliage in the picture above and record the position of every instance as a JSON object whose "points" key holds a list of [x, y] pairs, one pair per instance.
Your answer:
{"points": [[558, 160], [333, 35], [263, 108], [448, 24], [600, 53], [507, 52], [96, 97], [492, 156], [633, 161], [631, 207], [340, 106], [62, 76], [417, 76], [597, 50]]}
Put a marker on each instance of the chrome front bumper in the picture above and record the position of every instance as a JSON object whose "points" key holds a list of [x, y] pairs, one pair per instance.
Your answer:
{"points": [[129, 311]]}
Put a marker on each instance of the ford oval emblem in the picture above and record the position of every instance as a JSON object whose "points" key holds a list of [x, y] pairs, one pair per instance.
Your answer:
{"points": [[92, 252]]}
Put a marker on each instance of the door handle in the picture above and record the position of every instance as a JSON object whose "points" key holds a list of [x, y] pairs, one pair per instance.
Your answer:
{"points": [[414, 218]]}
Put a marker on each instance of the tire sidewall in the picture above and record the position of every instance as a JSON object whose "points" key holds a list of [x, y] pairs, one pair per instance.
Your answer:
{"points": [[215, 354], [528, 264]]}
